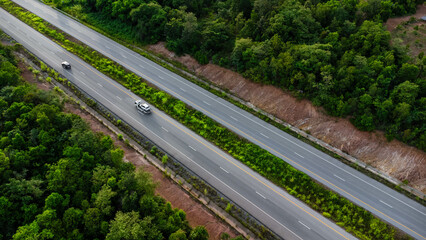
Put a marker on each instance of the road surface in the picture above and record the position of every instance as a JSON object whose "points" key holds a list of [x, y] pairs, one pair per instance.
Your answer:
{"points": [[382, 201], [285, 215]]}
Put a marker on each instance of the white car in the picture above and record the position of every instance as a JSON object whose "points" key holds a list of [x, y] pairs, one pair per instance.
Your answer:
{"points": [[66, 65], [142, 107]]}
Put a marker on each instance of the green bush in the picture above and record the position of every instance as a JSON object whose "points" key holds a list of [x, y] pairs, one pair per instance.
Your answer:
{"points": [[268, 165]]}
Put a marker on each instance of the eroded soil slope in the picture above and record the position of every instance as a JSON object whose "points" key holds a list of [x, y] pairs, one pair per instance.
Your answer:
{"points": [[196, 213], [394, 158]]}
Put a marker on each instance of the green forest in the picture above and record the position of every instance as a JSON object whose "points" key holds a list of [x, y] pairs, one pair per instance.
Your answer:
{"points": [[60, 180], [335, 53]]}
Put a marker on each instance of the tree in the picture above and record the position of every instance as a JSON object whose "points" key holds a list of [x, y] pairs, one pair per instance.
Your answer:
{"points": [[104, 200], [405, 92], [294, 23], [150, 19], [199, 233], [4, 162], [178, 235], [128, 226], [72, 219]]}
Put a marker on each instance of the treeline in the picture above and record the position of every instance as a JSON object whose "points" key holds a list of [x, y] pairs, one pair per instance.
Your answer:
{"points": [[346, 214], [336, 53], [59, 180]]}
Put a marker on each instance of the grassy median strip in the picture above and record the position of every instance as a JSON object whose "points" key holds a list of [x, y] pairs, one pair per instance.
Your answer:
{"points": [[346, 214]]}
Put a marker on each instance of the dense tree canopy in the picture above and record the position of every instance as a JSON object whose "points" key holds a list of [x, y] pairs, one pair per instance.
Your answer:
{"points": [[336, 52], [59, 180]]}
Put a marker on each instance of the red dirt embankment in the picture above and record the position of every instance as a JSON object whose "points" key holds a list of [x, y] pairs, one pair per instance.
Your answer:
{"points": [[393, 158], [196, 213]]}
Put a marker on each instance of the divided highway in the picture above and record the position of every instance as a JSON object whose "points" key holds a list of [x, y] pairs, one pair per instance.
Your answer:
{"points": [[393, 207], [285, 215]]}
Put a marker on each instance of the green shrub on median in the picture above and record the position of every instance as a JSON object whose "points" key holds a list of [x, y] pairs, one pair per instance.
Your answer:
{"points": [[352, 217]]}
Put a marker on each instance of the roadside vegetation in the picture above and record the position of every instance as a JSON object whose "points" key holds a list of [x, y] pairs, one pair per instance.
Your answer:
{"points": [[59, 180], [346, 214], [335, 53]]}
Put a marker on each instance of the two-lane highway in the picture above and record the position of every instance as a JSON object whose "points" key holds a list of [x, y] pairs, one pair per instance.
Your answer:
{"points": [[382, 201], [285, 215]]}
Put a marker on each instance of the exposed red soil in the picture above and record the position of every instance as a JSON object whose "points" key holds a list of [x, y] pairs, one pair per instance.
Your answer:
{"points": [[393, 158], [393, 22], [196, 213]]}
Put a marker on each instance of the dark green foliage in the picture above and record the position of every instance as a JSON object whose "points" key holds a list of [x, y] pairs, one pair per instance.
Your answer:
{"points": [[332, 52], [58, 180], [354, 218]]}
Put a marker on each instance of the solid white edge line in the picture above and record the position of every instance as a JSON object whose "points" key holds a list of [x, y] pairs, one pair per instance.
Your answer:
{"points": [[195, 163]]}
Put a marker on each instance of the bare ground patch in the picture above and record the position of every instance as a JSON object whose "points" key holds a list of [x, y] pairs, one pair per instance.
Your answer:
{"points": [[393, 158], [196, 213]]}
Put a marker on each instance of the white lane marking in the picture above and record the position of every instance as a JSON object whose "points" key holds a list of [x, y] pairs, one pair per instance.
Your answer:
{"points": [[142, 66], [386, 204], [165, 129], [299, 155], [100, 85], [264, 135], [233, 118], [118, 97], [260, 195], [124, 56], [276, 133], [198, 165], [339, 178], [107, 47], [206, 103], [304, 225], [192, 148], [224, 170], [183, 90], [83, 73], [161, 77]]}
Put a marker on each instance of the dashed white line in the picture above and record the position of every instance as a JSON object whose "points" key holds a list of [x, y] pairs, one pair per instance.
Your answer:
{"points": [[299, 155], [304, 225], [233, 118], [118, 97], [339, 178], [183, 90], [192, 148], [100, 85], [224, 170], [386, 204], [107, 47], [264, 135], [124, 56], [83, 73], [206, 103], [261, 195], [141, 66], [165, 129], [161, 77]]}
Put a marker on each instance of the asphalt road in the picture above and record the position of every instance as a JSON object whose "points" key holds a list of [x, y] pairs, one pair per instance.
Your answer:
{"points": [[382, 201], [281, 212]]}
